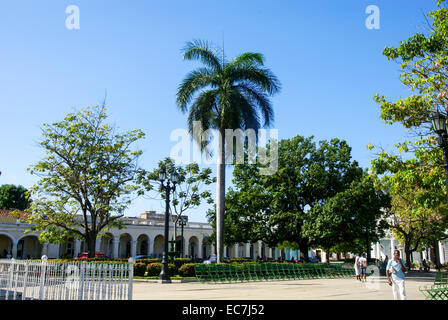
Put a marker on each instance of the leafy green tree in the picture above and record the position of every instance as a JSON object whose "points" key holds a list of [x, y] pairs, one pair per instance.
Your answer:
{"points": [[423, 60], [225, 95], [352, 217], [191, 188], [274, 208], [418, 216], [13, 197], [87, 177]]}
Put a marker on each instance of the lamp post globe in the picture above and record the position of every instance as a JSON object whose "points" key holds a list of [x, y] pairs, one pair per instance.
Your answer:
{"points": [[439, 123]]}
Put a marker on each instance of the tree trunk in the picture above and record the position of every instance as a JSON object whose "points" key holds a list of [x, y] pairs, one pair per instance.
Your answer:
{"points": [[407, 253], [303, 247], [91, 245], [433, 255], [220, 197]]}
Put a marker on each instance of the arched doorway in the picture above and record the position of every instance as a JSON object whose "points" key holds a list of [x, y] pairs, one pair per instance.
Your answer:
{"points": [[5, 246], [158, 246], [263, 251], [67, 249], [29, 247], [206, 248], [180, 246], [107, 245], [124, 247], [241, 250], [193, 246], [142, 245]]}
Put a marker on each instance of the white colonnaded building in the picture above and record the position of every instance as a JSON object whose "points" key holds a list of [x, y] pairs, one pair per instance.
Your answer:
{"points": [[143, 235]]}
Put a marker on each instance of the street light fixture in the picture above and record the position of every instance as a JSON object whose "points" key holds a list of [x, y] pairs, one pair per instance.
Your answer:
{"points": [[439, 124], [183, 222], [168, 187]]}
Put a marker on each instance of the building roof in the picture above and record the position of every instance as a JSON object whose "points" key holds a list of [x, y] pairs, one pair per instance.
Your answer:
{"points": [[8, 213]]}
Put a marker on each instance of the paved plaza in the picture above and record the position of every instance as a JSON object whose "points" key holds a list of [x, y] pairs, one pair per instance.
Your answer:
{"points": [[313, 289]]}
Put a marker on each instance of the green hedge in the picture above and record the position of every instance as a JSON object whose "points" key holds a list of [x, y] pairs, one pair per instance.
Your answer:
{"points": [[139, 269], [148, 261], [181, 261], [153, 269], [187, 270]]}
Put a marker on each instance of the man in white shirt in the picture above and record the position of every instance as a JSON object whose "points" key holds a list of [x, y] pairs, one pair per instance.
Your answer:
{"points": [[362, 265], [357, 267], [395, 273]]}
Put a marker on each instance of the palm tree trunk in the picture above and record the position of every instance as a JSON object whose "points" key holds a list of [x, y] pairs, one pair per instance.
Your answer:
{"points": [[220, 196]]}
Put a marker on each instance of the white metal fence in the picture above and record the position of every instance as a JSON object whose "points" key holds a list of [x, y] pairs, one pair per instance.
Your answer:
{"points": [[47, 280]]}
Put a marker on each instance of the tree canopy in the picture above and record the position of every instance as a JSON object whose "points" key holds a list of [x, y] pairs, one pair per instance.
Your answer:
{"points": [[299, 204], [87, 177], [14, 197], [414, 177]]}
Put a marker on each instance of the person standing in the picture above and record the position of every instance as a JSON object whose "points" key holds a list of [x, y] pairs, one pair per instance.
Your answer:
{"points": [[357, 267], [395, 272], [362, 265]]}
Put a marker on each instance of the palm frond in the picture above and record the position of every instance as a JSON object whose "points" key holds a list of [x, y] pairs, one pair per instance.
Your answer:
{"points": [[249, 58], [260, 99], [204, 110], [204, 52], [261, 77], [194, 81]]}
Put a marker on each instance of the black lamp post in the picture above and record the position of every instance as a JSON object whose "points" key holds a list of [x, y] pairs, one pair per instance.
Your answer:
{"points": [[439, 124], [182, 221], [168, 187]]}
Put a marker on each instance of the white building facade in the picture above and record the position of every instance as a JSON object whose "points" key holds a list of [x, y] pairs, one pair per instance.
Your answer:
{"points": [[144, 235]]}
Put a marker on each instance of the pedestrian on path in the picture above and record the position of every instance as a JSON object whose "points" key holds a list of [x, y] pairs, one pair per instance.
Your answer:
{"points": [[395, 272], [357, 267], [362, 265]]}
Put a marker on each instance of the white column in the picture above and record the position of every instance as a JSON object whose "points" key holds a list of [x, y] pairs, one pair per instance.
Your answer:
{"points": [[133, 248], [13, 252], [323, 256], [378, 251], [44, 249], [199, 250], [236, 248], [225, 252], [391, 248], [148, 251], [115, 243], [212, 249], [98, 245], [77, 248], [259, 249], [270, 253], [247, 250], [441, 253]]}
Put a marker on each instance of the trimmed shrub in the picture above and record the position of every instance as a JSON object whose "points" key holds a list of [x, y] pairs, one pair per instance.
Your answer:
{"points": [[153, 269], [187, 270], [139, 269], [148, 261], [181, 261], [239, 260]]}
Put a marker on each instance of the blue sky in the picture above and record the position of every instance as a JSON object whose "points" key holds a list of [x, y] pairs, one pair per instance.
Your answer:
{"points": [[330, 66]]}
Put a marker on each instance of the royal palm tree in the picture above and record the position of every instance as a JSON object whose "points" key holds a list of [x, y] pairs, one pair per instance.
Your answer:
{"points": [[225, 95]]}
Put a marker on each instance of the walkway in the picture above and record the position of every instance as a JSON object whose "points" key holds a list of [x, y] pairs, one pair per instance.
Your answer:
{"points": [[315, 289]]}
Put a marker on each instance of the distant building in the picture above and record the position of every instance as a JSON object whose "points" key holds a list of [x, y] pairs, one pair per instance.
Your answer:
{"points": [[143, 235]]}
